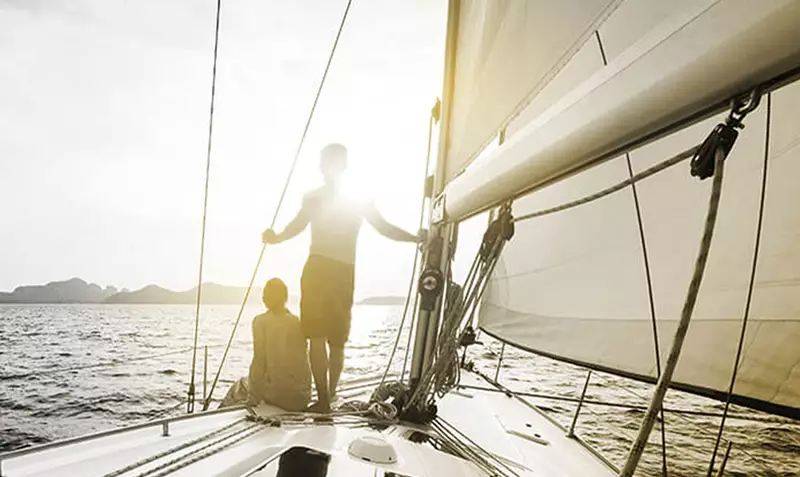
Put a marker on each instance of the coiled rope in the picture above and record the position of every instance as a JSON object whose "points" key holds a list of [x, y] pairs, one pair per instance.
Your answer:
{"points": [[207, 401]]}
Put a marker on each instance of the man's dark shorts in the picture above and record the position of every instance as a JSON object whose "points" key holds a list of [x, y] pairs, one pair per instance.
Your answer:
{"points": [[326, 299]]}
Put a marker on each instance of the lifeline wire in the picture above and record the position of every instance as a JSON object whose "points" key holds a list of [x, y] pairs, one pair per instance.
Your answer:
{"points": [[172, 450], [190, 400], [280, 203]]}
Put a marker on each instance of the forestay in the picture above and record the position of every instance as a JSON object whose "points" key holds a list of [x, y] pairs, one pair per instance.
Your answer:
{"points": [[573, 285]]}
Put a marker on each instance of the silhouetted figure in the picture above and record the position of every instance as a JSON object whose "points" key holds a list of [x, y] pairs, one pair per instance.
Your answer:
{"points": [[279, 372], [328, 276]]}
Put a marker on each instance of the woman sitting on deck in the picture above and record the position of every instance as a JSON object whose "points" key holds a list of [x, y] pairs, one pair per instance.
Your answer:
{"points": [[280, 372]]}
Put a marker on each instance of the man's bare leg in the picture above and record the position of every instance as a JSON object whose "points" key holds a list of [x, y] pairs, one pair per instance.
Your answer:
{"points": [[319, 368], [336, 365]]}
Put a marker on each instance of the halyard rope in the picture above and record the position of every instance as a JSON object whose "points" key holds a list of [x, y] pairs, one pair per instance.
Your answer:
{"points": [[683, 325], [687, 154]]}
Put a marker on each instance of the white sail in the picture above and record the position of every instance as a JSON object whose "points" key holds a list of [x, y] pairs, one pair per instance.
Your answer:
{"points": [[573, 285], [680, 67], [506, 52]]}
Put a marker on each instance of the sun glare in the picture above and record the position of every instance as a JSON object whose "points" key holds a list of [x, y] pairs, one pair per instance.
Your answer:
{"points": [[357, 186]]}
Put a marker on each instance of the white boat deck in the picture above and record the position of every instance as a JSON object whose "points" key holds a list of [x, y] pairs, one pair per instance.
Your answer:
{"points": [[229, 444], [519, 432]]}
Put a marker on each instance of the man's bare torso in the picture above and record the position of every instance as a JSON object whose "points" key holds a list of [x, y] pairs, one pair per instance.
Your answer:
{"points": [[335, 223]]}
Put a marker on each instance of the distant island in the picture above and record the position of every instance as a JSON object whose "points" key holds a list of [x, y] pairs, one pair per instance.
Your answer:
{"points": [[78, 291], [70, 291], [388, 300]]}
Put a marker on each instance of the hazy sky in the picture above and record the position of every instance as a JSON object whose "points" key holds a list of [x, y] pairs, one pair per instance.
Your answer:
{"points": [[103, 120]]}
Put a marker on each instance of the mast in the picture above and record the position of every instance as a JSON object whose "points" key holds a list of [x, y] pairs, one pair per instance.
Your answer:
{"points": [[432, 279]]}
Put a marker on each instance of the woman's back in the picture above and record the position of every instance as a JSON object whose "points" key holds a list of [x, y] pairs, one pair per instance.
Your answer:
{"points": [[279, 372]]}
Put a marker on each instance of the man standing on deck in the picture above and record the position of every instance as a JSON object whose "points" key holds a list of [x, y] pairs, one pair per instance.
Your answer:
{"points": [[328, 276]]}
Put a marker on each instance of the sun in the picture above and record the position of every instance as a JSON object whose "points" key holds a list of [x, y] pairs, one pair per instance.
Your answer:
{"points": [[358, 186]]}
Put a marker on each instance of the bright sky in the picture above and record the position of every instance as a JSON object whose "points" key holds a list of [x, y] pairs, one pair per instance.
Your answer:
{"points": [[103, 122]]}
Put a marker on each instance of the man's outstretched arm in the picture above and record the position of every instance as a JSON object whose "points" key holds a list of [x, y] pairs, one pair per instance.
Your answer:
{"points": [[388, 230], [297, 225]]}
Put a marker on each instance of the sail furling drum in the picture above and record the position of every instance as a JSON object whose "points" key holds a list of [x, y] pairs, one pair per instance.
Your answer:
{"points": [[626, 85]]}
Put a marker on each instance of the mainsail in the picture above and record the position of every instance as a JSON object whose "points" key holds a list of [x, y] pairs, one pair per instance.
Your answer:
{"points": [[507, 52], [644, 84]]}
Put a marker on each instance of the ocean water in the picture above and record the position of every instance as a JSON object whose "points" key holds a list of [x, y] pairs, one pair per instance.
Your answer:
{"points": [[51, 386]]}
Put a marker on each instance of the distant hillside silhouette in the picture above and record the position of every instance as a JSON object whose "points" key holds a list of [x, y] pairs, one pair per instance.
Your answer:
{"points": [[213, 294], [76, 290], [73, 290]]}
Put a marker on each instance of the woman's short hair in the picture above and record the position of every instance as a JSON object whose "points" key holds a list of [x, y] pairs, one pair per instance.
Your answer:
{"points": [[275, 294]]}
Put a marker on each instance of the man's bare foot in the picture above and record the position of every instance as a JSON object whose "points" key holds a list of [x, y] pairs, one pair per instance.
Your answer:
{"points": [[319, 407]]}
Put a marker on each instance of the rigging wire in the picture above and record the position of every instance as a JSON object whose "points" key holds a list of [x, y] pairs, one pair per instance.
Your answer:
{"points": [[207, 399], [191, 394], [622, 405], [412, 279], [651, 302], [414, 314], [411, 282], [173, 450], [703, 430], [686, 314], [748, 302], [443, 373]]}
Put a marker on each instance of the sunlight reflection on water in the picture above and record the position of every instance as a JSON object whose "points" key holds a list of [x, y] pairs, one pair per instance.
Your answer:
{"points": [[49, 405]]}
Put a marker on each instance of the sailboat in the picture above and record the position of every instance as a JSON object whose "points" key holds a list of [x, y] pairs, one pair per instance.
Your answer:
{"points": [[634, 226]]}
